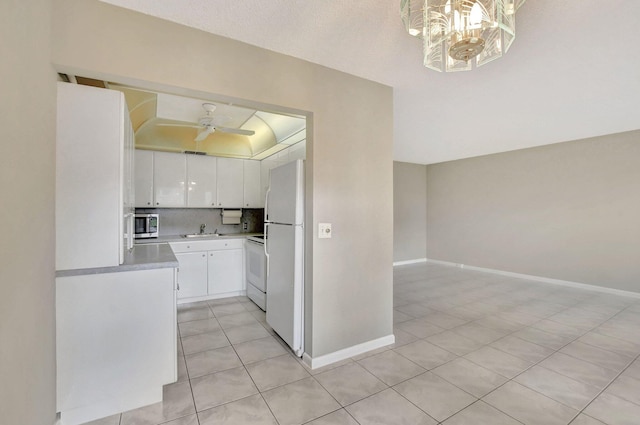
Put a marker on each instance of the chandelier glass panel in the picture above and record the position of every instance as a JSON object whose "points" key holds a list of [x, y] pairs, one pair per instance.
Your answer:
{"points": [[458, 33]]}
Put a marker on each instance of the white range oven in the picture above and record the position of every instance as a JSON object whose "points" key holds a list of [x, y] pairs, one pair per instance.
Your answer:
{"points": [[256, 271]]}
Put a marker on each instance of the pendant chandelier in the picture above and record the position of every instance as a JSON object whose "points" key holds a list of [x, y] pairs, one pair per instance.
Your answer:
{"points": [[459, 33]]}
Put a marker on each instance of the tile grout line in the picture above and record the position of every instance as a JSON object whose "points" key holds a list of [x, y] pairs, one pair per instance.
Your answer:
{"points": [[189, 376], [613, 380], [412, 403], [485, 315], [186, 368], [536, 363], [540, 361], [253, 381], [606, 387]]}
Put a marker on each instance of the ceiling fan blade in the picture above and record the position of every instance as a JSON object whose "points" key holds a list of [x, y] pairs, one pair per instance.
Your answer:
{"points": [[236, 131], [204, 134], [179, 125]]}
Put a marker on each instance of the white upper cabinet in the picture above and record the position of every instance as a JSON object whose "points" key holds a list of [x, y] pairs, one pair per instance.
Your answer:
{"points": [[169, 180], [175, 180], [230, 182], [201, 178], [252, 189], [144, 178]]}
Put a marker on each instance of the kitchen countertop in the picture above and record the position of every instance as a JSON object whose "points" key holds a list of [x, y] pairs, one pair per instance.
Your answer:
{"points": [[180, 238], [142, 257]]}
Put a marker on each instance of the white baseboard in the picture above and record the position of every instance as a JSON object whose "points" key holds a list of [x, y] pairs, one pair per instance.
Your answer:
{"points": [[560, 282], [405, 262], [211, 297], [345, 353]]}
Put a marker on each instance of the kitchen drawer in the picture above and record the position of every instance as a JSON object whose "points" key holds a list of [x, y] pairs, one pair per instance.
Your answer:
{"points": [[208, 245], [257, 296]]}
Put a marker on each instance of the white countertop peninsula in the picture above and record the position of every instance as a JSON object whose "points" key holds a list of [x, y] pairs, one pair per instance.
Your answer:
{"points": [[116, 334], [142, 257], [182, 238]]}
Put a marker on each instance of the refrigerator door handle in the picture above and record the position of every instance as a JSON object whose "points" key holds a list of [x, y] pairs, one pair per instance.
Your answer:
{"points": [[132, 218], [266, 243], [266, 205], [128, 234]]}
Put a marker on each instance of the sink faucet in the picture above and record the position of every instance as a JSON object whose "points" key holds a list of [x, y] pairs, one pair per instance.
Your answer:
{"points": [[202, 226]]}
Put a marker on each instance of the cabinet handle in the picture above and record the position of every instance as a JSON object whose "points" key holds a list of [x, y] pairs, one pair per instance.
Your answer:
{"points": [[203, 255], [157, 203], [148, 203]]}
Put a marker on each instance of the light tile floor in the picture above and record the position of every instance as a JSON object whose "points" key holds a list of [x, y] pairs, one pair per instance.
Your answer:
{"points": [[471, 349]]}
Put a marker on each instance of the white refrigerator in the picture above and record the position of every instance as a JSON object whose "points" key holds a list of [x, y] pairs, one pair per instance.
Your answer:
{"points": [[284, 248], [94, 178]]}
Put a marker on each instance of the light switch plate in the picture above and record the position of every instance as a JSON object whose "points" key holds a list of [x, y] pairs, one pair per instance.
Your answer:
{"points": [[324, 230]]}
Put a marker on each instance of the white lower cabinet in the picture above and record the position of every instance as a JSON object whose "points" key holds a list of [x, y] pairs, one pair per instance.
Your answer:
{"points": [[192, 274], [210, 269], [225, 271]]}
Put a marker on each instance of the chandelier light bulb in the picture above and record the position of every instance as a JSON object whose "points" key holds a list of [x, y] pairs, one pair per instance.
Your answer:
{"points": [[459, 35]]}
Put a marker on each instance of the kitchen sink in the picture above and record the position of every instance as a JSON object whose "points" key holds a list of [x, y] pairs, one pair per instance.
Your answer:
{"points": [[201, 235]]}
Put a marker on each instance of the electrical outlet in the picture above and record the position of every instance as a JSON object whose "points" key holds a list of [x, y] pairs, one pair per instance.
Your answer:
{"points": [[245, 226], [324, 230]]}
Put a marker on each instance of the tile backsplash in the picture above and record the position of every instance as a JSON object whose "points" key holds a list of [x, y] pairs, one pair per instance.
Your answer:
{"points": [[180, 221]]}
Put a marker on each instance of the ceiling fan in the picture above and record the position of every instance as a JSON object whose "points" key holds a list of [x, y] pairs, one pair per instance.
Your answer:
{"points": [[209, 123]]}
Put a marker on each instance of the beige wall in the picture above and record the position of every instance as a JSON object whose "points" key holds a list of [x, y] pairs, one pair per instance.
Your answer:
{"points": [[409, 211], [567, 211], [349, 158], [27, 114]]}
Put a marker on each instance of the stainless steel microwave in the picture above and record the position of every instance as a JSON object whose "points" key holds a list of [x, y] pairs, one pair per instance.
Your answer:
{"points": [[146, 226]]}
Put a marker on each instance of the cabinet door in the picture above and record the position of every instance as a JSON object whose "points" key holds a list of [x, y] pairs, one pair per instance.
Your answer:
{"points": [[230, 182], [169, 178], [252, 189], [114, 331], [225, 271], [201, 178], [192, 274], [143, 171]]}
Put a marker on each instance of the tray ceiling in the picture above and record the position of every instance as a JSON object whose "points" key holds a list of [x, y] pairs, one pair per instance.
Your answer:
{"points": [[570, 74]]}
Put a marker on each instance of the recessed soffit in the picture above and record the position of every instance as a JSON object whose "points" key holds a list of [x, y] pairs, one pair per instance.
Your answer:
{"points": [[168, 122]]}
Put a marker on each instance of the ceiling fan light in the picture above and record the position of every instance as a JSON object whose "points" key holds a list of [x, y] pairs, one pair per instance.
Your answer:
{"points": [[459, 35]]}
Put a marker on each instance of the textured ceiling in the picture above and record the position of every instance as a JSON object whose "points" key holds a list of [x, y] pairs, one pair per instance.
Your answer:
{"points": [[572, 72]]}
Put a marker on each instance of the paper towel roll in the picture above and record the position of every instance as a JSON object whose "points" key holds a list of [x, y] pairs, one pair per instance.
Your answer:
{"points": [[231, 216]]}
